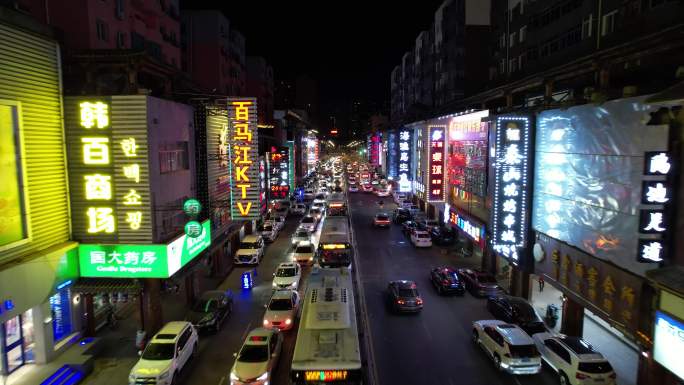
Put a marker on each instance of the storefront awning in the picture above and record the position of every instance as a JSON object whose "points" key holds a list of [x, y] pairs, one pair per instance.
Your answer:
{"points": [[106, 285], [670, 278]]}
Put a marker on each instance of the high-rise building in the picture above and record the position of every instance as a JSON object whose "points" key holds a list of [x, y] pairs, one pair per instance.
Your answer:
{"points": [[213, 53], [260, 85]]}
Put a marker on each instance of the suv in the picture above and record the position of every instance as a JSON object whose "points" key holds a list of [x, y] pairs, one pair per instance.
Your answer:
{"points": [[166, 355], [575, 361], [517, 311], [508, 345], [287, 276], [251, 250], [479, 283]]}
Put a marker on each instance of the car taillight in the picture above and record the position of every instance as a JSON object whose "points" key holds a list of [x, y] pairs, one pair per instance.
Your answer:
{"points": [[400, 301], [613, 375], [419, 301], [581, 376], [446, 282]]}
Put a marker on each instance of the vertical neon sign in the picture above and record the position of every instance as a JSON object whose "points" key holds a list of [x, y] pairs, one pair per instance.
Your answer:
{"points": [[436, 164]]}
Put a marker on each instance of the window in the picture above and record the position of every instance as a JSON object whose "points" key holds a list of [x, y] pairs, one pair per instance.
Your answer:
{"points": [[513, 65], [608, 23], [520, 62], [514, 37], [587, 26], [120, 40], [173, 157], [559, 350], [523, 33], [502, 41], [101, 30], [119, 9], [502, 66]]}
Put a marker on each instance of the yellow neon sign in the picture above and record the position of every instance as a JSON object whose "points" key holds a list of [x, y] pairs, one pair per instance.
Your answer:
{"points": [[101, 220], [132, 198], [129, 147], [95, 150], [98, 186], [132, 172], [242, 149], [134, 219], [94, 114]]}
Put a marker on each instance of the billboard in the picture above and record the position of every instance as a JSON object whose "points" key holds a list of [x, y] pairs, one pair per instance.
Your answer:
{"points": [[436, 152], [467, 155], [590, 187], [244, 159], [405, 144], [279, 173], [668, 343], [144, 260], [511, 185]]}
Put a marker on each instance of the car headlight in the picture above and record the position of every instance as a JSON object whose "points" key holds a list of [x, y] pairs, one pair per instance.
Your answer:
{"points": [[131, 378], [233, 377], [265, 322], [275, 284], [164, 375], [263, 377], [288, 321]]}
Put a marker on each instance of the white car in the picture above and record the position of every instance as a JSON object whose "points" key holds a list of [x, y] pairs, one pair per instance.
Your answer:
{"points": [[353, 188], [309, 223], [299, 209], [575, 361], [282, 310], [316, 213], [278, 221], [287, 276], [301, 235], [165, 355], [268, 231], [421, 238], [381, 192], [250, 252], [257, 358], [511, 349], [304, 253]]}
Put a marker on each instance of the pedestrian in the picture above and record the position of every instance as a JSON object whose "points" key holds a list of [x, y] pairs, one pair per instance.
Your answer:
{"points": [[541, 283]]}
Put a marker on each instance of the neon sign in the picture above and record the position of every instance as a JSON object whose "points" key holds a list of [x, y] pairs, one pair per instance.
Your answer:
{"points": [[279, 173], [404, 162], [244, 163], [374, 145], [654, 219], [475, 231], [436, 163], [511, 185]]}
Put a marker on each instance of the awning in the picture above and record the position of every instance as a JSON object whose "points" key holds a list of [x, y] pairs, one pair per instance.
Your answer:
{"points": [[670, 278], [106, 285]]}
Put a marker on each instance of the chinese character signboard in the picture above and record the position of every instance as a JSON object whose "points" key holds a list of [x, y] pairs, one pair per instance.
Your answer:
{"points": [[405, 142], [279, 173], [142, 261], [108, 169], [656, 194], [668, 343], [467, 155], [292, 155], [436, 163], [511, 162], [474, 229], [392, 155], [244, 145], [374, 148]]}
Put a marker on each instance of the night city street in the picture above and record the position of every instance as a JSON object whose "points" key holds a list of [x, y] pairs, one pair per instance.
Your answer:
{"points": [[451, 192]]}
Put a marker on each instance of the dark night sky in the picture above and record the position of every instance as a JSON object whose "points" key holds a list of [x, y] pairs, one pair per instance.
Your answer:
{"points": [[350, 47]]}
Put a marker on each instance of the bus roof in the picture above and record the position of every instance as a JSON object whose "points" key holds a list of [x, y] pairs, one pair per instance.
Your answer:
{"points": [[335, 230]]}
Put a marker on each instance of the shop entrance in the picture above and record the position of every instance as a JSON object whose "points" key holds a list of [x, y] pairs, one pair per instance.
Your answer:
{"points": [[544, 297], [17, 342]]}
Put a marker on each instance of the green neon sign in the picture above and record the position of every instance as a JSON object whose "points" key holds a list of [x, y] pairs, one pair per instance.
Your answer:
{"points": [[142, 261]]}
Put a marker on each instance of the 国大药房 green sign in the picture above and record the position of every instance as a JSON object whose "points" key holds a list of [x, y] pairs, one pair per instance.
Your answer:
{"points": [[142, 261]]}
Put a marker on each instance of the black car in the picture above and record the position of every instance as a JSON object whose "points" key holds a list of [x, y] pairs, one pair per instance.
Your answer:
{"points": [[408, 226], [403, 297], [517, 311], [443, 236], [479, 283], [400, 216], [211, 310], [445, 280]]}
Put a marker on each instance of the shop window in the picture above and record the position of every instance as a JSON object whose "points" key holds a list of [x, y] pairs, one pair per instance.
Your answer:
{"points": [[101, 30], [60, 306], [173, 158]]}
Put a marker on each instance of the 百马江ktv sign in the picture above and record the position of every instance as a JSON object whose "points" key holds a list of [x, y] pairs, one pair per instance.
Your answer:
{"points": [[142, 261], [244, 148]]}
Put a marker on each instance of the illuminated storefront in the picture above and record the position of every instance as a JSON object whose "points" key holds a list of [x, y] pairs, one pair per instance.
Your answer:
{"points": [[279, 173], [244, 146]]}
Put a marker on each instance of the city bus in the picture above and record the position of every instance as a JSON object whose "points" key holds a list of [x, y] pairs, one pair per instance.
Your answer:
{"points": [[327, 345], [337, 205], [334, 245]]}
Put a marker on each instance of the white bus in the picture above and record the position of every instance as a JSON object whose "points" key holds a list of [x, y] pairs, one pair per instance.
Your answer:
{"points": [[337, 205], [334, 245], [327, 347]]}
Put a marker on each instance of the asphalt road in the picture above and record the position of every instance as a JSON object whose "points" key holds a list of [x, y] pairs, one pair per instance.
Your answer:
{"points": [[433, 347]]}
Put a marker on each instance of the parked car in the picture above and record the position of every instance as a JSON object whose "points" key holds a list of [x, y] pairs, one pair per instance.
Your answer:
{"points": [[165, 355], [282, 310], [301, 235], [282, 211], [381, 192], [279, 221], [405, 204], [443, 236], [399, 197], [400, 216], [257, 358], [511, 349], [403, 296], [421, 238], [304, 253], [445, 280], [479, 283], [428, 224], [299, 209], [517, 311], [381, 220], [408, 227], [211, 309], [309, 222], [251, 250], [268, 231], [574, 360], [316, 213], [287, 276]]}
